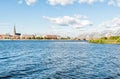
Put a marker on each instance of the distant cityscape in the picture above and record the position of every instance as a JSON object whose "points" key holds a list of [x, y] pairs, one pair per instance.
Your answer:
{"points": [[85, 36], [20, 36]]}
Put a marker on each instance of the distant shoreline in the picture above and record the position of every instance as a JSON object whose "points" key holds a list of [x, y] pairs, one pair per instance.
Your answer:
{"points": [[105, 40], [40, 40]]}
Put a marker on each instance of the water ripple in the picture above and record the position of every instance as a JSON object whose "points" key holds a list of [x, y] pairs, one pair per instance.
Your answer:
{"points": [[58, 60]]}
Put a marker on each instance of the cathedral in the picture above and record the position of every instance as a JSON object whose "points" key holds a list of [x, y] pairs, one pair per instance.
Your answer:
{"points": [[15, 34]]}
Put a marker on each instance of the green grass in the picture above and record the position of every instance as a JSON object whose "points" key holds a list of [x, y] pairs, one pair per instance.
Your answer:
{"points": [[105, 40]]}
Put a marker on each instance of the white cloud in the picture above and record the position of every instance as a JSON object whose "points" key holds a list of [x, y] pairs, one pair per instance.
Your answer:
{"points": [[110, 2], [30, 2], [75, 21], [66, 2], [114, 2], [80, 16], [61, 2], [114, 23], [20, 1], [89, 1]]}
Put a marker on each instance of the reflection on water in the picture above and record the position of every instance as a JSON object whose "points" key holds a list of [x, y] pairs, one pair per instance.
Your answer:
{"points": [[58, 60]]}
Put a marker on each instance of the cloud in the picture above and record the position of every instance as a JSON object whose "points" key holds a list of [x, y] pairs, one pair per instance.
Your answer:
{"points": [[89, 1], [66, 2], [114, 23], [80, 16], [61, 2], [114, 2], [30, 2], [20, 1], [75, 21], [109, 2]]}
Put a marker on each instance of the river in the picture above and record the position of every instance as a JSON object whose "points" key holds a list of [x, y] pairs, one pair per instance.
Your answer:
{"points": [[58, 60]]}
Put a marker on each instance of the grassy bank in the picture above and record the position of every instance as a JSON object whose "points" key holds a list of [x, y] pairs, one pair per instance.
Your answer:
{"points": [[105, 40]]}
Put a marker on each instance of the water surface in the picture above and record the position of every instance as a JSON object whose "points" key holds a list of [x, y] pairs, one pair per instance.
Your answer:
{"points": [[58, 60]]}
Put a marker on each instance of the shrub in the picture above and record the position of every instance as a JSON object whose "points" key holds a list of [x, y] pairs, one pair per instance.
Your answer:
{"points": [[118, 40], [114, 37], [104, 38], [29, 38], [39, 38]]}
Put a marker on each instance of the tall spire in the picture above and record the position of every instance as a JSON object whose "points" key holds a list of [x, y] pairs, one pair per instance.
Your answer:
{"points": [[14, 30]]}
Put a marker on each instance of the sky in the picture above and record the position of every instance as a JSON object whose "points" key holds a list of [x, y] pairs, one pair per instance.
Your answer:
{"points": [[62, 17]]}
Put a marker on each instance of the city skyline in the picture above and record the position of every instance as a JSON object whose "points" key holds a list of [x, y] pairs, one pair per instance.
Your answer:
{"points": [[70, 17]]}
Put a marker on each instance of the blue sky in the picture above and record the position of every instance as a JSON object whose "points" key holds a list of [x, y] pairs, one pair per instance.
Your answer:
{"points": [[70, 17]]}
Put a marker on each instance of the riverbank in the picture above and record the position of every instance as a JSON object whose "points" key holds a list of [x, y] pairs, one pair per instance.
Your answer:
{"points": [[105, 40], [40, 40]]}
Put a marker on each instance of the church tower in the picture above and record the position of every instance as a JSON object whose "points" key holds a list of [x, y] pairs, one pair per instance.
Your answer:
{"points": [[14, 30]]}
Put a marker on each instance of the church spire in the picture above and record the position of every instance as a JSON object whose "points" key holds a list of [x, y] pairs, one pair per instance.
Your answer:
{"points": [[14, 30]]}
